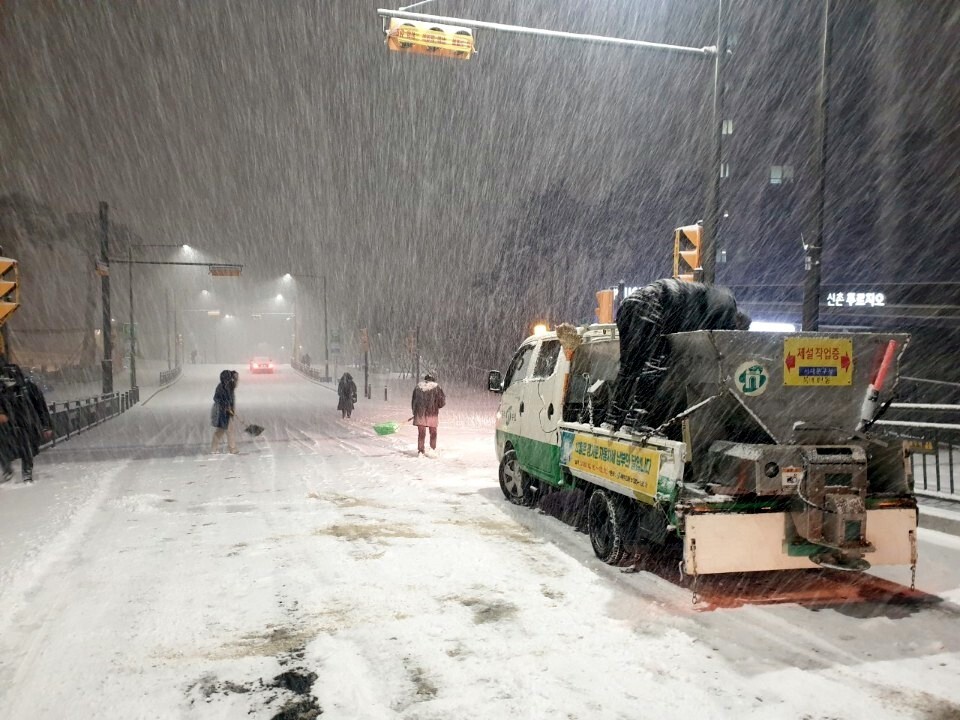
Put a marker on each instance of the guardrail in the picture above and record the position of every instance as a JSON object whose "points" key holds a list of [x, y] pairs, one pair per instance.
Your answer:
{"points": [[934, 446], [74, 416], [168, 376], [310, 372]]}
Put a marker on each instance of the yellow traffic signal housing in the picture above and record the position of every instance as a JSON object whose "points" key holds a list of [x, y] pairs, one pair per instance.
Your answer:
{"points": [[605, 306], [225, 270], [686, 253], [427, 38], [9, 288]]}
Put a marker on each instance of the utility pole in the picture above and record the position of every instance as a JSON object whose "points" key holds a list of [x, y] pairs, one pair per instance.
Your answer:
{"points": [[416, 354], [169, 339], [177, 348], [326, 336], [811, 260], [106, 364], [133, 332], [711, 217]]}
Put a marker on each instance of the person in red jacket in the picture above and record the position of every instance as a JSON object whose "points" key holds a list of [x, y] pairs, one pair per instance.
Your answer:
{"points": [[427, 400]]}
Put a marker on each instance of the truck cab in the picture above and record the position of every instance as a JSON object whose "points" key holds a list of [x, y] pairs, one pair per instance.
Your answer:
{"points": [[545, 384]]}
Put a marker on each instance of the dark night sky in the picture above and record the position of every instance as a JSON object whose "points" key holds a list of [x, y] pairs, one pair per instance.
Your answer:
{"points": [[284, 135]]}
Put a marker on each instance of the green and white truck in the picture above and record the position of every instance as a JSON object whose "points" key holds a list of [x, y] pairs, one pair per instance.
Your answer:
{"points": [[765, 458]]}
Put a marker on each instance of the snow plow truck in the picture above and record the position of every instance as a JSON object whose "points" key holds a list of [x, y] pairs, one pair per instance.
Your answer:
{"points": [[758, 451]]}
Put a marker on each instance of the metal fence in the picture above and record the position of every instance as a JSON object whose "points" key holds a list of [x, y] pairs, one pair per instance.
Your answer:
{"points": [[934, 445], [73, 417], [168, 376], [311, 372]]}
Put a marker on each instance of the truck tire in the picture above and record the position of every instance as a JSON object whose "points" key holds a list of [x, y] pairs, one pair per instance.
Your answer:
{"points": [[514, 482], [608, 523]]}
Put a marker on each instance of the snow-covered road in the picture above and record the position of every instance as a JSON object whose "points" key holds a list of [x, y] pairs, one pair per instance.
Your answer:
{"points": [[329, 568]]}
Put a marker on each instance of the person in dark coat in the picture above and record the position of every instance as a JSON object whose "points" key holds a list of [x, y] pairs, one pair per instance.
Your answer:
{"points": [[25, 422], [645, 317], [427, 400], [347, 392], [222, 413]]}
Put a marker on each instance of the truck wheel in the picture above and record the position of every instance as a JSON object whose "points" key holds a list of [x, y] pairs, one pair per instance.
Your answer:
{"points": [[608, 521], [514, 482]]}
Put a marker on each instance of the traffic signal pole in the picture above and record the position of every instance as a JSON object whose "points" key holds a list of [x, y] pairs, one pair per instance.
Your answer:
{"points": [[717, 52], [106, 364], [326, 335], [711, 216], [133, 324], [812, 252]]}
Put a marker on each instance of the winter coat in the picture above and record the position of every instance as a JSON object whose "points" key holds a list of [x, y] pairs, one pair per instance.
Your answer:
{"points": [[427, 400], [223, 401], [28, 416], [347, 392]]}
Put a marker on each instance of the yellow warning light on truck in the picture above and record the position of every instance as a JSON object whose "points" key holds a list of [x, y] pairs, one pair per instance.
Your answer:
{"points": [[430, 39]]}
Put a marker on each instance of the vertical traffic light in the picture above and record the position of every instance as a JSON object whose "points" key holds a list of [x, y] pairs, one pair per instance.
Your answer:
{"points": [[686, 253], [9, 288], [605, 306]]}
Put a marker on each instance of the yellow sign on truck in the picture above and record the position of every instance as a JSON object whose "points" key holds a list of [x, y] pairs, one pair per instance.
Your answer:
{"points": [[635, 468], [817, 361]]}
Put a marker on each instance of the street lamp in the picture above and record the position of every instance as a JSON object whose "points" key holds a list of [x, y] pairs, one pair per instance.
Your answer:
{"points": [[326, 341], [133, 332]]}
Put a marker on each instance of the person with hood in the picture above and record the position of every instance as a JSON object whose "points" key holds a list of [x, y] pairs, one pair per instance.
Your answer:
{"points": [[427, 400], [222, 413], [347, 392], [645, 318], [25, 421]]}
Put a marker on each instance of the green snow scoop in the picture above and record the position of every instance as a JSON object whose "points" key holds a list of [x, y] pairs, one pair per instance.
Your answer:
{"points": [[386, 428]]}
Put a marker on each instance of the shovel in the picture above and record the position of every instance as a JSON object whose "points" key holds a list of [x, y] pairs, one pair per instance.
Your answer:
{"points": [[251, 429], [387, 428]]}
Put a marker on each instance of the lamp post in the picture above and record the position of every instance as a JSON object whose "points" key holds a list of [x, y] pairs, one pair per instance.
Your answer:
{"points": [[133, 332], [103, 269], [326, 337], [215, 269]]}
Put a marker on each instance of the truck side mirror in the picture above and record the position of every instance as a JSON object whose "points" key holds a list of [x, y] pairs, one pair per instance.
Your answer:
{"points": [[495, 381]]}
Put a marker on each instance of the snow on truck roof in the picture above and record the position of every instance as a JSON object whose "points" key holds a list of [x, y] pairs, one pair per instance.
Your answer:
{"points": [[595, 331]]}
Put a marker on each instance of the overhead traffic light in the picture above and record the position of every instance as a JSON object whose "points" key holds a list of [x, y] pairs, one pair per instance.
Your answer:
{"points": [[686, 253], [9, 288], [605, 306], [428, 38]]}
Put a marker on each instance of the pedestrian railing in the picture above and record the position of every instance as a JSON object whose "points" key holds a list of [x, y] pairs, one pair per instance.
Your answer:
{"points": [[168, 376], [310, 372], [74, 416], [934, 446]]}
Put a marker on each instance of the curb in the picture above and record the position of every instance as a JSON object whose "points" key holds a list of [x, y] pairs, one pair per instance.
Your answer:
{"points": [[940, 523]]}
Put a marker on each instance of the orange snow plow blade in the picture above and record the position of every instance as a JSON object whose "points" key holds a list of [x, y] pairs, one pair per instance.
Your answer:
{"points": [[809, 588]]}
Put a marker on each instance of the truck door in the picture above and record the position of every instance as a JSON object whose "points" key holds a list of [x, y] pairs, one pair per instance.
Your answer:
{"points": [[543, 409], [511, 401]]}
